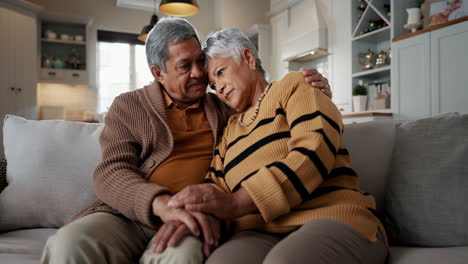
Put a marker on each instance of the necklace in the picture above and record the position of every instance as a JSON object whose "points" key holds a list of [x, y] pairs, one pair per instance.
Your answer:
{"points": [[257, 107]]}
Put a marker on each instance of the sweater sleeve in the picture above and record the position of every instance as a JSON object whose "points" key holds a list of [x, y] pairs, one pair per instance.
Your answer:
{"points": [[315, 134], [118, 180]]}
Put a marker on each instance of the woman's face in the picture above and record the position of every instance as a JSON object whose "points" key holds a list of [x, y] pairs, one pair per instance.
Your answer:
{"points": [[234, 83]]}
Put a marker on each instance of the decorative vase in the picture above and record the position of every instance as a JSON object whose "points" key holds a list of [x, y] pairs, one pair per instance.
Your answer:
{"points": [[359, 103], [414, 19]]}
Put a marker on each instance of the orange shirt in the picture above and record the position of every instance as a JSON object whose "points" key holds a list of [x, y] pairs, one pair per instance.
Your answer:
{"points": [[193, 147]]}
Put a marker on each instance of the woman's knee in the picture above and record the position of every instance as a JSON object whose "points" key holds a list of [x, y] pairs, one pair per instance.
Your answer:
{"points": [[326, 241]]}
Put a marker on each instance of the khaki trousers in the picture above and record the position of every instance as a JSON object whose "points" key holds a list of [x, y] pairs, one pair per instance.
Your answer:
{"points": [[106, 238], [319, 241]]}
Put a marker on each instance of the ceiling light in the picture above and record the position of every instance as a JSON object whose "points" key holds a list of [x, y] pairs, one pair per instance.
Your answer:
{"points": [[146, 29], [179, 8]]}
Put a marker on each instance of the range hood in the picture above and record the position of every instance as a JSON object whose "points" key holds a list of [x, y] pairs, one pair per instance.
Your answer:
{"points": [[307, 33]]}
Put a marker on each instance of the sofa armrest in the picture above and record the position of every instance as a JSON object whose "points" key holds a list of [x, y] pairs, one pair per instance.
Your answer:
{"points": [[3, 181]]}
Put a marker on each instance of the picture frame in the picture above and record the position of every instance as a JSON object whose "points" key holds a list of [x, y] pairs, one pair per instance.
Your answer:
{"points": [[442, 11]]}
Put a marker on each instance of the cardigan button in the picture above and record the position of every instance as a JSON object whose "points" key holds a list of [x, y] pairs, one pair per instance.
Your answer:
{"points": [[150, 163]]}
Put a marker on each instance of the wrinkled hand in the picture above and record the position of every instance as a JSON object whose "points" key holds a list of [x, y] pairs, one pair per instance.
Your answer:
{"points": [[207, 199], [172, 232], [317, 80], [167, 214]]}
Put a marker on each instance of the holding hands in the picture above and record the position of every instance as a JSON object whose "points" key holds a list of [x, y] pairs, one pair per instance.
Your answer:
{"points": [[179, 223], [207, 199]]}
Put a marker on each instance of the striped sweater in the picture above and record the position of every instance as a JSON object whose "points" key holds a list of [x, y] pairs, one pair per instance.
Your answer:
{"points": [[291, 162]]}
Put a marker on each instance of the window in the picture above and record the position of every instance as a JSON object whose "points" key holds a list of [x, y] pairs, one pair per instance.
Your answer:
{"points": [[122, 67]]}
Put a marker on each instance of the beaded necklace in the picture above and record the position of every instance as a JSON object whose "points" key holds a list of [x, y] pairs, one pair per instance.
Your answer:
{"points": [[257, 107]]}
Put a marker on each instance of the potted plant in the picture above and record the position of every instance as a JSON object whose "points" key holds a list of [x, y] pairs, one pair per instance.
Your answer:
{"points": [[359, 98]]}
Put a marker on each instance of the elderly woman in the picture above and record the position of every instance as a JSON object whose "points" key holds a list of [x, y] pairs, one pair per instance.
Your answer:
{"points": [[280, 176]]}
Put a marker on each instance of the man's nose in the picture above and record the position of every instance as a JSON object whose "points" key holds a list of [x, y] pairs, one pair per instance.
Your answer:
{"points": [[197, 71]]}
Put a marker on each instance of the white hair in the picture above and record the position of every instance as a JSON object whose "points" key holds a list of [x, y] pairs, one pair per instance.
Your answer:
{"points": [[230, 42]]}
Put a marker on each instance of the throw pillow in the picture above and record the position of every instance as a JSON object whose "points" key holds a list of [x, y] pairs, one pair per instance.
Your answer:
{"points": [[49, 172], [427, 192]]}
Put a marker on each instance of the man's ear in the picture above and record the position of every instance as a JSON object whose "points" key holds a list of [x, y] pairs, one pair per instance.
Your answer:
{"points": [[249, 58], [157, 73]]}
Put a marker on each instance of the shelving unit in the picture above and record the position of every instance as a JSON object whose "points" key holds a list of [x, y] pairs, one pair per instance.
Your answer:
{"points": [[64, 48], [375, 39]]}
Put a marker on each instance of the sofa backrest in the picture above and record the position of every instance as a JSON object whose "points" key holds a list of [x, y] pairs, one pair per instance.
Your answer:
{"points": [[370, 145]]}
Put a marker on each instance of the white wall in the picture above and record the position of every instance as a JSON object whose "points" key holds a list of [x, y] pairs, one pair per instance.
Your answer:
{"points": [[339, 45], [242, 13]]}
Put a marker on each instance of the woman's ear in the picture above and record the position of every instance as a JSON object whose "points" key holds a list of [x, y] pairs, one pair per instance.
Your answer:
{"points": [[249, 58]]}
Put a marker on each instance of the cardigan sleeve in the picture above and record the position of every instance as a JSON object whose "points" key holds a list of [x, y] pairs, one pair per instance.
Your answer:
{"points": [[315, 135], [118, 180]]}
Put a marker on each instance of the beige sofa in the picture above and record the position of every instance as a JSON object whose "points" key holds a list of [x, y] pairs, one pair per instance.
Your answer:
{"points": [[370, 145]]}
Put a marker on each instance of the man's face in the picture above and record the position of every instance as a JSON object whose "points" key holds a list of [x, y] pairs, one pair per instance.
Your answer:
{"points": [[185, 79]]}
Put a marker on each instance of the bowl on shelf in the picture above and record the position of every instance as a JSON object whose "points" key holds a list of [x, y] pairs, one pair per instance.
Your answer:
{"points": [[79, 38], [64, 37], [49, 34]]}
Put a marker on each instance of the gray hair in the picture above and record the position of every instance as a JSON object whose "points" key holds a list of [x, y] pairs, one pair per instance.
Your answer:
{"points": [[167, 30], [230, 42]]}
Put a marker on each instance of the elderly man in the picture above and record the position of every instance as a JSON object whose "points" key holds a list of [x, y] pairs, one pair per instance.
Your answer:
{"points": [[156, 141]]}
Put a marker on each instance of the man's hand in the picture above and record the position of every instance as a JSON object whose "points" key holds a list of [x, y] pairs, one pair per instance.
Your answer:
{"points": [[172, 232], [166, 213], [207, 199], [317, 80]]}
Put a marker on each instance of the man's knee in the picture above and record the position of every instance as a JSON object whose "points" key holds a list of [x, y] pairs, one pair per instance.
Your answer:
{"points": [[189, 251]]}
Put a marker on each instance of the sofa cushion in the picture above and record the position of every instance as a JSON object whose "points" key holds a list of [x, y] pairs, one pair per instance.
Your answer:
{"points": [[427, 190], [24, 246], [371, 139], [412, 255], [49, 172]]}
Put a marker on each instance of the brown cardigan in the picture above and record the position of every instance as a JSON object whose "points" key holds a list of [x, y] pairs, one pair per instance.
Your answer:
{"points": [[135, 140]]}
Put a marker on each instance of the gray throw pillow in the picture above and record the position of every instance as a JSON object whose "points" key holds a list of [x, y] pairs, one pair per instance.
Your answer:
{"points": [[427, 192]]}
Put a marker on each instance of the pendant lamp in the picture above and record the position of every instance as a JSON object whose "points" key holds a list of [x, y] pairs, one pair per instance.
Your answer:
{"points": [[180, 8], [146, 29]]}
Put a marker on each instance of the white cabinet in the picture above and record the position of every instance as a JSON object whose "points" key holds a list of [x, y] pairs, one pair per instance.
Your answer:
{"points": [[449, 69], [18, 68], [411, 77], [430, 73]]}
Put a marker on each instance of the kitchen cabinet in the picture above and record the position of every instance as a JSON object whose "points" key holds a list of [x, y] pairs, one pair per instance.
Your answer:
{"points": [[430, 74], [63, 49], [449, 69], [18, 56]]}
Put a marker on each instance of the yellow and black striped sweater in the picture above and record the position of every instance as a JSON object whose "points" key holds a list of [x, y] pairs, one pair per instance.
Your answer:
{"points": [[292, 163]]}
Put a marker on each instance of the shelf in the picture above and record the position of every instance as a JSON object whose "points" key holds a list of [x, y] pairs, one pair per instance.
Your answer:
{"points": [[72, 42], [374, 11], [373, 72], [431, 28], [376, 35], [383, 112]]}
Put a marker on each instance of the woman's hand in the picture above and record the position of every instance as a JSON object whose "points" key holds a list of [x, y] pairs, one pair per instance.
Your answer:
{"points": [[207, 199], [166, 213], [317, 80]]}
